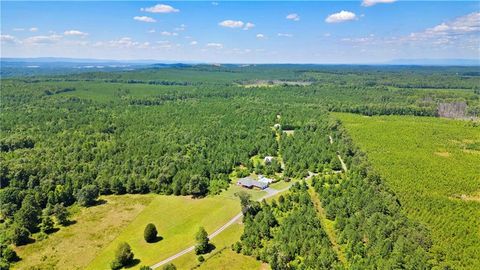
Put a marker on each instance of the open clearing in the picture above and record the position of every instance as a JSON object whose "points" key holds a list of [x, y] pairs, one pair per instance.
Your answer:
{"points": [[426, 181], [73, 247], [177, 220]]}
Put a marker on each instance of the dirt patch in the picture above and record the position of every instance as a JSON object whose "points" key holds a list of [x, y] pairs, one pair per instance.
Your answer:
{"points": [[474, 197], [289, 132], [442, 154]]}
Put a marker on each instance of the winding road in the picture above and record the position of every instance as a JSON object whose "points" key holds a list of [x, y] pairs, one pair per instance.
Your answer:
{"points": [[270, 193]]}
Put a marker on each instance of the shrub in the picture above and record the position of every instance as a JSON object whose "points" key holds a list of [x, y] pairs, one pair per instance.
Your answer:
{"points": [[19, 235], [201, 258], [150, 233], [202, 241], [170, 266], [123, 255], [87, 195]]}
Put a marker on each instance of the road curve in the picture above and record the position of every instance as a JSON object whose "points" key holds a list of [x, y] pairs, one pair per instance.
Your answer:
{"points": [[271, 192]]}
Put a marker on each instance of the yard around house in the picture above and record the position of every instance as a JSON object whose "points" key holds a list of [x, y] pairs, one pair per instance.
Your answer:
{"points": [[432, 165]]}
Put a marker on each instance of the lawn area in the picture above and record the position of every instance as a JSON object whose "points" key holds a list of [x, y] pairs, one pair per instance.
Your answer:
{"points": [[433, 165], [73, 247], [177, 220]]}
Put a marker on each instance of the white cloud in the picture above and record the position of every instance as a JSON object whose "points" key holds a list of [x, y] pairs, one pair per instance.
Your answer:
{"points": [[248, 26], [151, 31], [341, 16], [232, 24], [8, 39], [164, 44], [75, 33], [193, 43], [33, 29], [39, 40], [293, 17], [144, 19], [369, 3], [160, 8], [260, 36], [166, 33], [284, 35], [181, 27], [468, 25], [214, 3], [124, 42], [215, 45]]}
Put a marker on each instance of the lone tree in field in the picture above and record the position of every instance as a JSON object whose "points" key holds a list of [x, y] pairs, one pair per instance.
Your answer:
{"points": [[170, 266], [123, 256], [150, 233], [202, 241]]}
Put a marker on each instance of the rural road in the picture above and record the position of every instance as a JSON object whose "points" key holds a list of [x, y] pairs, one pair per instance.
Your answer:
{"points": [[344, 166], [270, 192]]}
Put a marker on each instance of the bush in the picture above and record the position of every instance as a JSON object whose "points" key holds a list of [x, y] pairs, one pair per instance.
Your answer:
{"points": [[170, 266], [201, 258], [18, 235], [9, 255], [145, 267], [87, 195], [150, 233], [202, 241], [123, 256]]}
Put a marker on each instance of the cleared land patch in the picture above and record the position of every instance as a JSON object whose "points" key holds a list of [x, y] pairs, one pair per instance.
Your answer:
{"points": [[73, 247], [400, 149], [177, 220]]}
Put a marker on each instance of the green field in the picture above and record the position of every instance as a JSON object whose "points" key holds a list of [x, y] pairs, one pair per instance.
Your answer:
{"points": [[433, 166], [177, 220], [93, 229]]}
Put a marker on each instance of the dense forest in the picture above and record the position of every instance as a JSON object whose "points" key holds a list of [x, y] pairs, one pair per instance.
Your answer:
{"points": [[66, 139]]}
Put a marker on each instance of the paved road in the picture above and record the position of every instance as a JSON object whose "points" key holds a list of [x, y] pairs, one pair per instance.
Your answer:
{"points": [[270, 192]]}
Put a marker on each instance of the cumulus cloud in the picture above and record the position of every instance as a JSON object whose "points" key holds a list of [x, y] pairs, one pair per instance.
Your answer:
{"points": [[215, 45], [181, 27], [75, 33], [151, 31], [144, 19], [193, 43], [232, 24], [369, 3], [260, 36], [284, 35], [124, 42], [33, 29], [160, 8], [248, 26], [8, 39], [40, 40], [214, 3], [468, 25], [341, 16], [293, 17]]}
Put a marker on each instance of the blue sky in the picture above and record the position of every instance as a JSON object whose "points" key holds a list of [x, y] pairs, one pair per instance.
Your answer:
{"points": [[371, 31]]}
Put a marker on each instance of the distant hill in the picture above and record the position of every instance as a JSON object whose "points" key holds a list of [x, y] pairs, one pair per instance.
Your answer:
{"points": [[435, 62]]}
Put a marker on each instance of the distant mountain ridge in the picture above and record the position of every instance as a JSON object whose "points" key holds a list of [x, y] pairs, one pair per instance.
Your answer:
{"points": [[436, 62]]}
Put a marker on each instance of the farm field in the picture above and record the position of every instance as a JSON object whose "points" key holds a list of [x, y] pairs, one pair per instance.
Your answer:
{"points": [[433, 167], [93, 229]]}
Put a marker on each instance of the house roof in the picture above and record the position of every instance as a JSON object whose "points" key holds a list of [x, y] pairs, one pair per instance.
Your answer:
{"points": [[249, 182]]}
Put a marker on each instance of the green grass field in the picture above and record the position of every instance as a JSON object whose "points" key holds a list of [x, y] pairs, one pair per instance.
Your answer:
{"points": [[73, 247], [177, 220], [433, 165]]}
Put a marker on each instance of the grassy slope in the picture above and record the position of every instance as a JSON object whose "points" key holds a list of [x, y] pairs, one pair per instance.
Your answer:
{"points": [[73, 247], [425, 162], [177, 220]]}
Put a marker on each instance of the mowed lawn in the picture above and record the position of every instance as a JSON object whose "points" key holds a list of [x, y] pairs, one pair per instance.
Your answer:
{"points": [[74, 246], [177, 219], [433, 165]]}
